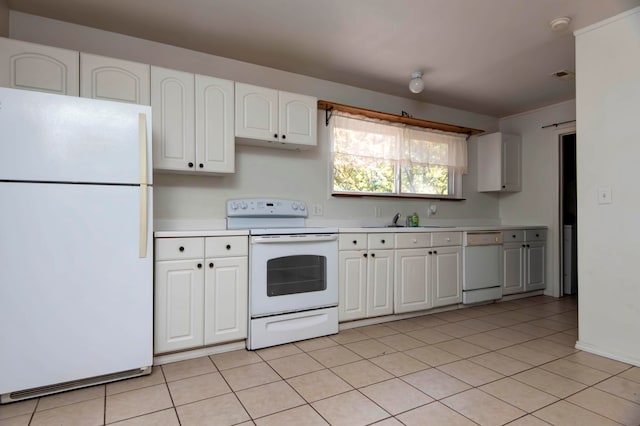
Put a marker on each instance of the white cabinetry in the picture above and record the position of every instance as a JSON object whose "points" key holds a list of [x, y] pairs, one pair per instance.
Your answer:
{"points": [[499, 162], [524, 254], [200, 292], [31, 66], [192, 122], [365, 276], [268, 117], [427, 276], [114, 79]]}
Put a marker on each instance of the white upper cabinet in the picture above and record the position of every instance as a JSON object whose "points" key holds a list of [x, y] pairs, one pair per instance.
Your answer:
{"points": [[192, 122], [31, 66], [173, 107], [114, 79], [499, 162], [268, 117], [215, 141]]}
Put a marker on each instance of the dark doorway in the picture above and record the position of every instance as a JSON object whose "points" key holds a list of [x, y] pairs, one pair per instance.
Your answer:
{"points": [[568, 213]]}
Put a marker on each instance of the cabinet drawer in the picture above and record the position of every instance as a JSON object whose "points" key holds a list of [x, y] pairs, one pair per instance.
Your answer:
{"points": [[535, 235], [179, 248], [352, 242], [413, 240], [226, 246], [513, 236], [380, 241], [443, 239]]}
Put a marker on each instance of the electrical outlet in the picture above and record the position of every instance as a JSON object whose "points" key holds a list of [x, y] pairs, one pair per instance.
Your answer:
{"points": [[433, 209], [318, 209], [377, 211], [604, 196]]}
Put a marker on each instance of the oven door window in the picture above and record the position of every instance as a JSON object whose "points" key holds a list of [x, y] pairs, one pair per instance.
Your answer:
{"points": [[296, 274]]}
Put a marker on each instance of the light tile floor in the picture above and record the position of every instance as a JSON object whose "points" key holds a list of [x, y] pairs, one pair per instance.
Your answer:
{"points": [[506, 363]]}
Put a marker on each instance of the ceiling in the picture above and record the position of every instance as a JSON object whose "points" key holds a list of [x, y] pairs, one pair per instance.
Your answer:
{"points": [[492, 57]]}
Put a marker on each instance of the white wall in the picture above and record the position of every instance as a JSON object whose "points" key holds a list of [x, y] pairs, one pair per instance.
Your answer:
{"points": [[608, 107], [4, 18], [261, 171], [538, 202]]}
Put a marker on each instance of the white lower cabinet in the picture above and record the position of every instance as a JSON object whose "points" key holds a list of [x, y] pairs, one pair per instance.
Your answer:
{"points": [[412, 287], [201, 287], [447, 275], [524, 256], [365, 276]]}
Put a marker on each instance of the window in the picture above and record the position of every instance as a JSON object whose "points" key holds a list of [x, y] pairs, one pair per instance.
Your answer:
{"points": [[374, 157]]}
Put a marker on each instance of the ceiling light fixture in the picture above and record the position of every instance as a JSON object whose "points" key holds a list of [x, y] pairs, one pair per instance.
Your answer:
{"points": [[416, 84], [559, 24]]}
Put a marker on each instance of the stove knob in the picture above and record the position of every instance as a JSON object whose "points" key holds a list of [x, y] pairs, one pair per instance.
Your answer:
{"points": [[302, 207], [294, 206], [244, 205], [234, 205]]}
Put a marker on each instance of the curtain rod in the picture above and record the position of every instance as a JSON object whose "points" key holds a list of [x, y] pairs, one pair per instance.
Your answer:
{"points": [[557, 124]]}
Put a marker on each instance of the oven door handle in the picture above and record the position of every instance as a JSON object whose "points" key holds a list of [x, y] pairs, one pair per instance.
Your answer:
{"points": [[288, 239]]}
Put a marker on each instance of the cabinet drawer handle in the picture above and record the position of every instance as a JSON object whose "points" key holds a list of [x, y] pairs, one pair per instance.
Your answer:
{"points": [[373, 255], [513, 235], [537, 235], [181, 248], [415, 241], [199, 265], [228, 246], [190, 165], [524, 245], [435, 252], [430, 252], [382, 241], [365, 254], [211, 265], [355, 242]]}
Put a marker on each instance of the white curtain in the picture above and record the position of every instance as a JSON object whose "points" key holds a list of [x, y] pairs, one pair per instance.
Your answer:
{"points": [[364, 137]]}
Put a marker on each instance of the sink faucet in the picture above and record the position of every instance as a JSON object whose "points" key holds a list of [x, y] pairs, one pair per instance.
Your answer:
{"points": [[394, 222]]}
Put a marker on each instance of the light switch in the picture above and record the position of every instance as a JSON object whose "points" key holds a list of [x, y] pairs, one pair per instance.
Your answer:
{"points": [[318, 209], [604, 196]]}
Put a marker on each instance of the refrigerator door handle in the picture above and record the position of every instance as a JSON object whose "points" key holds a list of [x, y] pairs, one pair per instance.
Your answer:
{"points": [[142, 135], [143, 221], [142, 140]]}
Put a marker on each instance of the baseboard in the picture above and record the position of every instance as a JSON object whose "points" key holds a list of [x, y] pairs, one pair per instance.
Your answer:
{"points": [[633, 360], [197, 353]]}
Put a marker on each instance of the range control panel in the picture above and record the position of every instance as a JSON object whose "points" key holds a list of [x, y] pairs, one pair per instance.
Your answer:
{"points": [[266, 207]]}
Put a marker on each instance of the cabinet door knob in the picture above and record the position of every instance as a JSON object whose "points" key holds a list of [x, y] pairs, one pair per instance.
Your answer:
{"points": [[524, 245], [430, 252], [382, 241], [275, 135], [181, 248], [211, 265], [537, 235], [355, 242], [504, 186], [365, 255], [201, 165], [190, 164], [373, 255], [513, 235], [228, 246], [284, 136], [435, 252], [199, 265]]}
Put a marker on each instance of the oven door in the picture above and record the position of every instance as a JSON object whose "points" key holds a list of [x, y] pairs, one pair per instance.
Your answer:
{"points": [[291, 273]]}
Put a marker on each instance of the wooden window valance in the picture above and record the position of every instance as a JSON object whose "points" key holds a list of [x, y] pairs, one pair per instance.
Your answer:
{"points": [[393, 118]]}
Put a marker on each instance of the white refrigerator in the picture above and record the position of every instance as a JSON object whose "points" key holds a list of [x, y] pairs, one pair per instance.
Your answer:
{"points": [[76, 269]]}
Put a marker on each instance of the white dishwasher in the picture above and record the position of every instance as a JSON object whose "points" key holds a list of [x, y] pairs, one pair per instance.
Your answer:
{"points": [[482, 266]]}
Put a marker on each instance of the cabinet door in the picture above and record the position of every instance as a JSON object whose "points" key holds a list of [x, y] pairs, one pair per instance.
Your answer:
{"points": [[225, 299], [172, 104], [256, 112], [412, 286], [352, 281], [114, 79], [178, 322], [31, 66], [535, 261], [447, 275], [298, 117], [513, 259], [215, 140], [380, 283], [511, 162]]}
